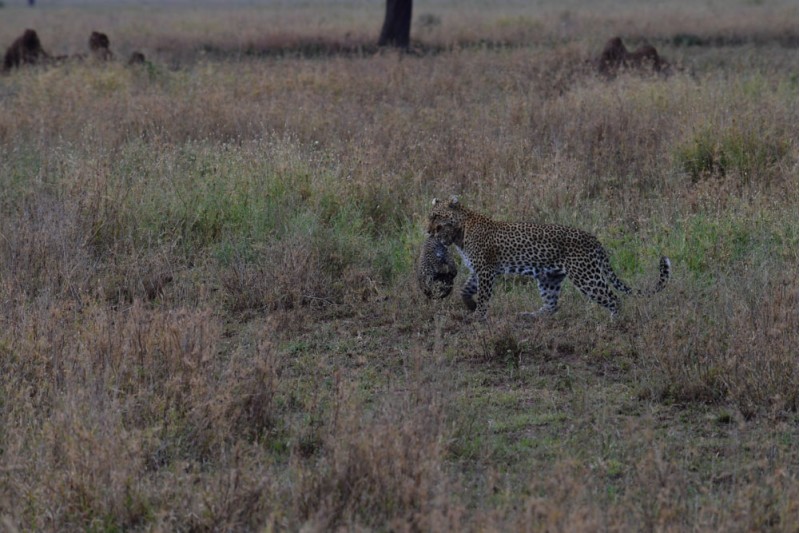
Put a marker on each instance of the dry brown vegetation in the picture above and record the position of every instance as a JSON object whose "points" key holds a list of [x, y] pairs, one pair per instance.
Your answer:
{"points": [[209, 317]]}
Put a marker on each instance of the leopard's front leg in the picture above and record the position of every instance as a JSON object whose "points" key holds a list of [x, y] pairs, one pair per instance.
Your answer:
{"points": [[485, 280], [468, 292]]}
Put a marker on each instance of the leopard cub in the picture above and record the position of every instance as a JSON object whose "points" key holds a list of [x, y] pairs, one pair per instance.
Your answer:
{"points": [[435, 269]]}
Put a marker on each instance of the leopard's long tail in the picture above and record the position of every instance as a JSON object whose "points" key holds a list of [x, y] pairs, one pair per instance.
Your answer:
{"points": [[664, 269]]}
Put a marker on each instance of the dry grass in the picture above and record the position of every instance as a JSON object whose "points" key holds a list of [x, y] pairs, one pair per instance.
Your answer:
{"points": [[208, 316]]}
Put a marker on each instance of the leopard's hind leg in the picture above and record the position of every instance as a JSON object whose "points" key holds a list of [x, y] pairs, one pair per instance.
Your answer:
{"points": [[589, 280], [549, 282]]}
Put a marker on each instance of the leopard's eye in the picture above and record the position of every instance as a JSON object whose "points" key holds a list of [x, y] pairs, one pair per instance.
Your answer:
{"points": [[438, 227]]}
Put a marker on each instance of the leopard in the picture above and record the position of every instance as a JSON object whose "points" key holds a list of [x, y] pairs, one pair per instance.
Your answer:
{"points": [[436, 270], [548, 253]]}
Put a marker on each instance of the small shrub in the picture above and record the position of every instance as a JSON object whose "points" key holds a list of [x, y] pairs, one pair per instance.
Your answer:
{"points": [[504, 348], [701, 158]]}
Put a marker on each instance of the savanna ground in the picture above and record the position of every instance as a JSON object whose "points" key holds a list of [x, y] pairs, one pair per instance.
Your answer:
{"points": [[208, 314]]}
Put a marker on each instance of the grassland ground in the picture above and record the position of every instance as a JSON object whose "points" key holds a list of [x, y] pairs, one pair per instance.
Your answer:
{"points": [[208, 313]]}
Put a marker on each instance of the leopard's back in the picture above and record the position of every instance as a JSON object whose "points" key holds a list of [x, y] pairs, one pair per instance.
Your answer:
{"points": [[528, 246]]}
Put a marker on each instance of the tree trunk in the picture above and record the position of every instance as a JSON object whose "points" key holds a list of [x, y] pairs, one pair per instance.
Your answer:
{"points": [[397, 24]]}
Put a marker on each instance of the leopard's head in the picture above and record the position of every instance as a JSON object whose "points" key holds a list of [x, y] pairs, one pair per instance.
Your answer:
{"points": [[446, 221]]}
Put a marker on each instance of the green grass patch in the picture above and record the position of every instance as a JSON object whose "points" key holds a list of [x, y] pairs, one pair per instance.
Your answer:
{"points": [[743, 153], [706, 245]]}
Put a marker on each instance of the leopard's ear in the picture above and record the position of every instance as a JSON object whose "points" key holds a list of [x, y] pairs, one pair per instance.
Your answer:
{"points": [[453, 201], [435, 201]]}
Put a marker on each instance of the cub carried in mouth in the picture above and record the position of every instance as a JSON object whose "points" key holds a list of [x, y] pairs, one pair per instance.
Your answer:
{"points": [[435, 269]]}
